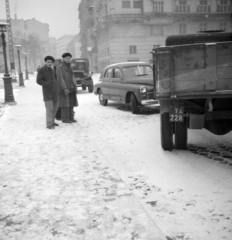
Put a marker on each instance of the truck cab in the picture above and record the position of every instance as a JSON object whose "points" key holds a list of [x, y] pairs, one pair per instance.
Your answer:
{"points": [[82, 76]]}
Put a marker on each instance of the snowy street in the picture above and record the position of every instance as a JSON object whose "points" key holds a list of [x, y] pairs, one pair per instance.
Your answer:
{"points": [[107, 177]]}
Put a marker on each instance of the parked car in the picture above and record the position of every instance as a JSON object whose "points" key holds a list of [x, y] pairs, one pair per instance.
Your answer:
{"points": [[81, 73], [128, 83]]}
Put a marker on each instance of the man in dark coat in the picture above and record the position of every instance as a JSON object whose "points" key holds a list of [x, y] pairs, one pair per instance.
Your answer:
{"points": [[67, 93], [46, 78]]}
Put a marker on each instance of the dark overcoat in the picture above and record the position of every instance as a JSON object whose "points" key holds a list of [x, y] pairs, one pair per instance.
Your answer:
{"points": [[46, 78], [62, 73]]}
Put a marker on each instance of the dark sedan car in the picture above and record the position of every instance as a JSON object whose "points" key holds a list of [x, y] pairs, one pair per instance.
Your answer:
{"points": [[128, 83]]}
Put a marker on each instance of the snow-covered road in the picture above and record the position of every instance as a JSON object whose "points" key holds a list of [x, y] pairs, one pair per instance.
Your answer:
{"points": [[107, 177]]}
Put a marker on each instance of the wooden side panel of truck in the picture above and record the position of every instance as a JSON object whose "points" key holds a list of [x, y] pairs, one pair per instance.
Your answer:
{"points": [[194, 86]]}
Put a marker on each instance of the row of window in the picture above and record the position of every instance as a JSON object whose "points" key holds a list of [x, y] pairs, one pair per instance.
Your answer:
{"points": [[159, 30], [104, 53], [129, 4], [182, 6]]}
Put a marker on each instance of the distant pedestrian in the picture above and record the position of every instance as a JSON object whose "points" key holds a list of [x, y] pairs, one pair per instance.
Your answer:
{"points": [[67, 93], [46, 78], [38, 68]]}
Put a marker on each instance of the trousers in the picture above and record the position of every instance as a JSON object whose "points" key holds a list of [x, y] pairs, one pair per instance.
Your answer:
{"points": [[67, 113], [51, 110]]}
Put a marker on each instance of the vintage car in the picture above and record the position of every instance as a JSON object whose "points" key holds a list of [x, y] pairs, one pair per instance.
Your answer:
{"points": [[128, 83], [81, 73]]}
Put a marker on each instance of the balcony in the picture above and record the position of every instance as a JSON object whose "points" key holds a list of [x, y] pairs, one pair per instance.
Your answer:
{"points": [[110, 19]]}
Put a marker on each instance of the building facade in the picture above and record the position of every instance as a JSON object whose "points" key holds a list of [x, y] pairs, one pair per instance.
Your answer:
{"points": [[127, 30], [52, 47], [62, 44]]}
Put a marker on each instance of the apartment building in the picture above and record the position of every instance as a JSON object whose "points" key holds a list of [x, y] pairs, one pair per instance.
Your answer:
{"points": [[62, 44], [127, 30]]}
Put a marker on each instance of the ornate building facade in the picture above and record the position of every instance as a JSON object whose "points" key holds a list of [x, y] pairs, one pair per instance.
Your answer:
{"points": [[127, 30]]}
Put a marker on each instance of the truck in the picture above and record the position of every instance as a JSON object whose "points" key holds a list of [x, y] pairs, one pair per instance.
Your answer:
{"points": [[193, 83], [82, 76]]}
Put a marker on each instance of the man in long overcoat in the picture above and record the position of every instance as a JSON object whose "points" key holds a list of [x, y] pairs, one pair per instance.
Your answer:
{"points": [[67, 93], [46, 78]]}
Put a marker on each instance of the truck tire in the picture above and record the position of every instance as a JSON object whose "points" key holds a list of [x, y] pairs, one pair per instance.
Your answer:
{"points": [[102, 101], [134, 104], [166, 132], [83, 87], [181, 135], [90, 88]]}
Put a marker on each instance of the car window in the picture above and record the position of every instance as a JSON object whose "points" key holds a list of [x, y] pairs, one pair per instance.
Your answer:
{"points": [[116, 73], [108, 73], [137, 70]]}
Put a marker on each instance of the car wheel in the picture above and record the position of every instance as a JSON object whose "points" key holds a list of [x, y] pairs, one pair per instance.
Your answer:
{"points": [[134, 104], [83, 87], [90, 88], [102, 101], [166, 131]]}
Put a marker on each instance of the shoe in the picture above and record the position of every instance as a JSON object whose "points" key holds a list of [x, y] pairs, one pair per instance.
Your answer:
{"points": [[51, 127], [74, 120], [55, 124], [67, 121]]}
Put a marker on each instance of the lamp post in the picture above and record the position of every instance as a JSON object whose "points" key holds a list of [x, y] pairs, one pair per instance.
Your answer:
{"points": [[26, 70], [9, 96], [21, 82]]}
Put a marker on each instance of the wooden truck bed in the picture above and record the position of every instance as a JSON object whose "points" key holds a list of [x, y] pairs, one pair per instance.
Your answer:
{"points": [[194, 70]]}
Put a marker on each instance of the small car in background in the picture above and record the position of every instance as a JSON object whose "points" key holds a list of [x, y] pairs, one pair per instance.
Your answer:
{"points": [[82, 76], [128, 83]]}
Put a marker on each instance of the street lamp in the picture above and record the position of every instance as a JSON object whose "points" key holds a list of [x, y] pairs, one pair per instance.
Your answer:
{"points": [[26, 70], [9, 96], [21, 82]]}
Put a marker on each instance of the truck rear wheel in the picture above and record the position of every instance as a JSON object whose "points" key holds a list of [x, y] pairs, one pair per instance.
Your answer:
{"points": [[90, 88], [181, 135], [166, 130]]}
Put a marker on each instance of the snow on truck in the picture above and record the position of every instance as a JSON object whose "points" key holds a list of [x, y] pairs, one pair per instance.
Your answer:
{"points": [[193, 79]]}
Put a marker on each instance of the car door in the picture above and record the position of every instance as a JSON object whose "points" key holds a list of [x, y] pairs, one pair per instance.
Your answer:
{"points": [[116, 84], [106, 81]]}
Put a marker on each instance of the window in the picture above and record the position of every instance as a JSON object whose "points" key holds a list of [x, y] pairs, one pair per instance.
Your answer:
{"points": [[137, 71], [108, 51], [223, 6], [156, 46], [182, 7], [126, 4], [137, 4], [108, 73], [203, 26], [158, 6], [116, 73], [157, 30], [223, 26], [182, 28], [133, 50], [203, 6]]}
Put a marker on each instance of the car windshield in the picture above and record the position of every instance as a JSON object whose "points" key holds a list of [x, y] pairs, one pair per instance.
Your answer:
{"points": [[139, 70], [78, 65]]}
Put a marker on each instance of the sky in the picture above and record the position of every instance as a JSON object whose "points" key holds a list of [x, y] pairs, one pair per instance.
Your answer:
{"points": [[61, 15]]}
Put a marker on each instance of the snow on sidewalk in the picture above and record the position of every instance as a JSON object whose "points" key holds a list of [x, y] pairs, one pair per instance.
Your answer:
{"points": [[56, 184]]}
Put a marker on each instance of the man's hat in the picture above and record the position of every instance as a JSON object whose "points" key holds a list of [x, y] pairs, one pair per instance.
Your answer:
{"points": [[66, 55], [49, 58]]}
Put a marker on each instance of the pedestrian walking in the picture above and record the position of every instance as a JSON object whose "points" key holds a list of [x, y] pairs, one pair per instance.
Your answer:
{"points": [[67, 85], [46, 78]]}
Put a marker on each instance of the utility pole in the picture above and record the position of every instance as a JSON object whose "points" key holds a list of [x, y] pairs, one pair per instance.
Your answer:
{"points": [[10, 40]]}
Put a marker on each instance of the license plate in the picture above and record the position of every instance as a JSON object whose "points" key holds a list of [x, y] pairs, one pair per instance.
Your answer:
{"points": [[176, 114]]}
